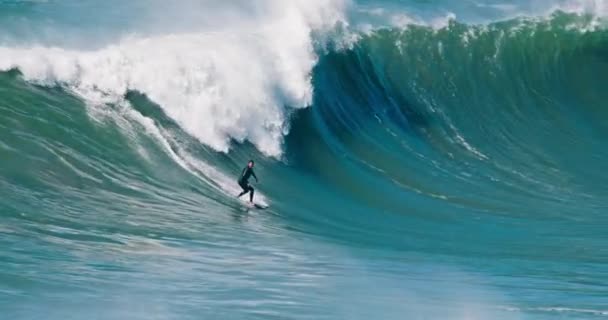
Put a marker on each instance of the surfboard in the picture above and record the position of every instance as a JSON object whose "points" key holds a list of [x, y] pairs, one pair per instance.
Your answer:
{"points": [[260, 206], [254, 205]]}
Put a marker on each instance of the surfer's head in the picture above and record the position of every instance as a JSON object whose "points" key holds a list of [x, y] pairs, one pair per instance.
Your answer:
{"points": [[250, 164]]}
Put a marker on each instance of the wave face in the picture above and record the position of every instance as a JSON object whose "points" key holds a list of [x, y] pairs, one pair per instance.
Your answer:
{"points": [[420, 160]]}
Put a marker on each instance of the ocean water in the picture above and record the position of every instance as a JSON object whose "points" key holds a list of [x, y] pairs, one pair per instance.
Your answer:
{"points": [[421, 159]]}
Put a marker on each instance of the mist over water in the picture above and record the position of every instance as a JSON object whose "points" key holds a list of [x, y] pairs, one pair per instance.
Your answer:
{"points": [[420, 159]]}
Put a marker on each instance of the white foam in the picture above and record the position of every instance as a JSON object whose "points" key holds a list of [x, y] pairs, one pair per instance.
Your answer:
{"points": [[238, 81], [440, 17], [594, 7], [558, 310]]}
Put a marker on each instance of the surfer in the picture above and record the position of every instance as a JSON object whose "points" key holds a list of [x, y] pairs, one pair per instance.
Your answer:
{"points": [[244, 180]]}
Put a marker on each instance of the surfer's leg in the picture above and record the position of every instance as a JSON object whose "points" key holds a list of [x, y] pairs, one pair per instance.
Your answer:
{"points": [[245, 188], [251, 194]]}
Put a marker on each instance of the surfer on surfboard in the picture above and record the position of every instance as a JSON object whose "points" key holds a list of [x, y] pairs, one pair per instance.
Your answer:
{"points": [[244, 180]]}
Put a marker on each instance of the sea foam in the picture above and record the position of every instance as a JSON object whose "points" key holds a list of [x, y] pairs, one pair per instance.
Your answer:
{"points": [[238, 81]]}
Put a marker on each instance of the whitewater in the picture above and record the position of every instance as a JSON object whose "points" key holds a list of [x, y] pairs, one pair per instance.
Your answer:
{"points": [[420, 160]]}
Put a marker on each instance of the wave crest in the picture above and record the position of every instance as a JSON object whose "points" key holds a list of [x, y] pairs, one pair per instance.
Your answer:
{"points": [[236, 83]]}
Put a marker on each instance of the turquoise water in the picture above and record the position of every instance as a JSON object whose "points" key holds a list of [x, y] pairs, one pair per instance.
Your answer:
{"points": [[420, 159]]}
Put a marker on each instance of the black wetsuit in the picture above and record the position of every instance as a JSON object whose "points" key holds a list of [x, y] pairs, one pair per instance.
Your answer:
{"points": [[244, 182]]}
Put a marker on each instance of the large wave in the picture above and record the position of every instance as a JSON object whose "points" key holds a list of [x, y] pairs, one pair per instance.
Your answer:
{"points": [[447, 97], [229, 72]]}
